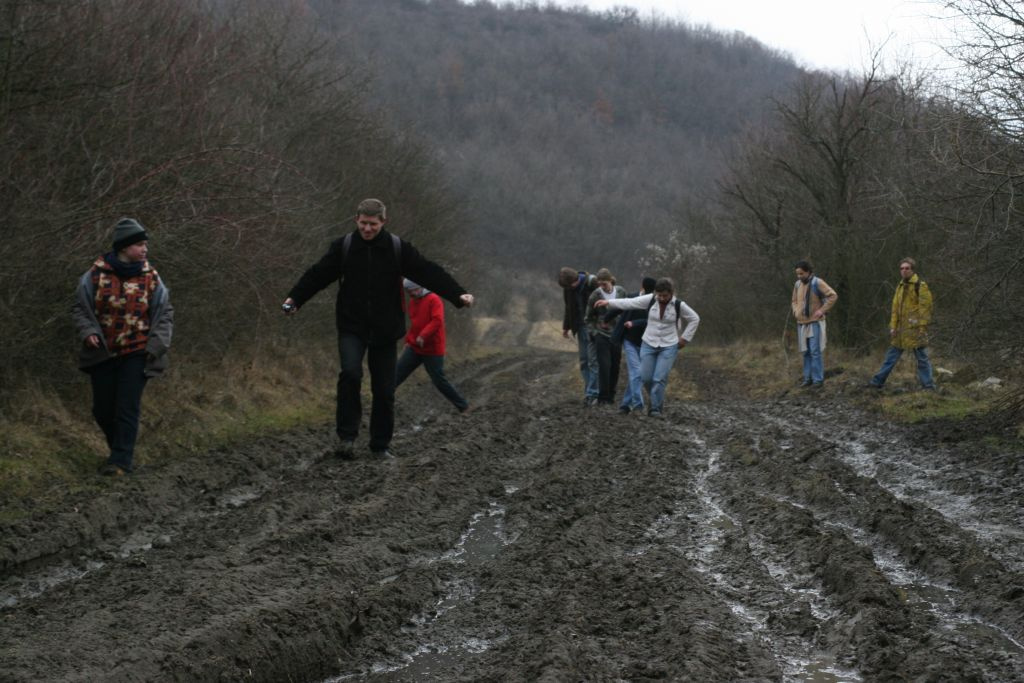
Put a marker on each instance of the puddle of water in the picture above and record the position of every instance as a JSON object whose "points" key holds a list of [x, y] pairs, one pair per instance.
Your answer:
{"points": [[239, 497], [920, 477], [938, 598], [20, 588], [820, 670], [800, 663], [426, 663], [483, 539]]}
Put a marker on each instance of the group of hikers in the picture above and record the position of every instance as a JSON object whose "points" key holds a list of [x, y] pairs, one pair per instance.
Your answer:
{"points": [[124, 321], [649, 327]]}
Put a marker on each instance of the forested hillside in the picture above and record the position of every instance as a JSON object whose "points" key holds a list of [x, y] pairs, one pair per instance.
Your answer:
{"points": [[570, 137]]}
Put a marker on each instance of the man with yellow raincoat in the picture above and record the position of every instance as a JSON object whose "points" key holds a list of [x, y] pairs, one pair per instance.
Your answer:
{"points": [[908, 326]]}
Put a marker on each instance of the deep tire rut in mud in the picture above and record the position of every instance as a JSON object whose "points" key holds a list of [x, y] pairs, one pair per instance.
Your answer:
{"points": [[532, 539]]}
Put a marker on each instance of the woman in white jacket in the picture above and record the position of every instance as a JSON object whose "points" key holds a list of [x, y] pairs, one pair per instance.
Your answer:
{"points": [[671, 325]]}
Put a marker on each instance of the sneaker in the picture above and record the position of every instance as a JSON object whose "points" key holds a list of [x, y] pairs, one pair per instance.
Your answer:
{"points": [[654, 413], [346, 449], [467, 410], [806, 383], [590, 401], [818, 385], [624, 410], [383, 453], [872, 385], [109, 469]]}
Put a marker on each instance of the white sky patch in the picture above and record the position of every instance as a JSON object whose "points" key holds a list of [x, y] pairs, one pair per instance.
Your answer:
{"points": [[839, 35]]}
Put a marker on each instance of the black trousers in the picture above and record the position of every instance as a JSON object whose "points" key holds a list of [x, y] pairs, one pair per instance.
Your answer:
{"points": [[410, 360], [117, 386], [609, 357], [380, 359]]}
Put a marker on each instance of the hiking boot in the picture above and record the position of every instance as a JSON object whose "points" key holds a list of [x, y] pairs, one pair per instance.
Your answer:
{"points": [[346, 449], [818, 385], [624, 410], [654, 413], [805, 383], [109, 469], [872, 385]]}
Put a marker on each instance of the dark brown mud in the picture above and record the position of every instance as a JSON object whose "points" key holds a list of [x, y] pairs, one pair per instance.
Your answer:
{"points": [[790, 539]]}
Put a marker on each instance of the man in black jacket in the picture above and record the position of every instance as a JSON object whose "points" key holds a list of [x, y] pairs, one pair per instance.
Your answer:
{"points": [[369, 264], [577, 286]]}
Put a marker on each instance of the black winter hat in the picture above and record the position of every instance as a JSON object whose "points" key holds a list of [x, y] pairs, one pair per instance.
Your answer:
{"points": [[127, 232]]}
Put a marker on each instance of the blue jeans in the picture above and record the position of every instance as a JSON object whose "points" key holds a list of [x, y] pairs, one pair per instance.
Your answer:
{"points": [[655, 364], [380, 359], [814, 361], [634, 396], [588, 363], [892, 356], [117, 386], [410, 360]]}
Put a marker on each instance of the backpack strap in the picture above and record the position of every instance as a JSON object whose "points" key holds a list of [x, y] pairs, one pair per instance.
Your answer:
{"points": [[346, 244], [654, 300]]}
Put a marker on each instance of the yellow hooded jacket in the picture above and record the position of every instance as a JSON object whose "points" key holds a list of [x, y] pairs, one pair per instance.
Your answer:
{"points": [[911, 313]]}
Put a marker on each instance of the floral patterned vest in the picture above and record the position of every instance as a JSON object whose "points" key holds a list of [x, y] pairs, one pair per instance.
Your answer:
{"points": [[122, 307]]}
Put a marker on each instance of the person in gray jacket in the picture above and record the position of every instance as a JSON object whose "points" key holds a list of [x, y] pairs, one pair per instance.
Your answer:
{"points": [[124, 320]]}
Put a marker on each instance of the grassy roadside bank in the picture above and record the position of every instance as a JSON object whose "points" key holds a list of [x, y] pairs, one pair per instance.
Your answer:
{"points": [[764, 369], [50, 446]]}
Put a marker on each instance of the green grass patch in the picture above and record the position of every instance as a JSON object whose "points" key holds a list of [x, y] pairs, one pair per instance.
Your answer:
{"points": [[923, 405]]}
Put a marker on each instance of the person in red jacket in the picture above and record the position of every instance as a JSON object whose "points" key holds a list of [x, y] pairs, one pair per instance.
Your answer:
{"points": [[424, 343]]}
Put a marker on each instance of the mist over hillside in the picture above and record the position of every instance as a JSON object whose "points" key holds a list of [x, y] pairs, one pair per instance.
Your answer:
{"points": [[567, 136]]}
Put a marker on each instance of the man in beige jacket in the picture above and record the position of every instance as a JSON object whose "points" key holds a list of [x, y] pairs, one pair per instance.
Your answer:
{"points": [[812, 299]]}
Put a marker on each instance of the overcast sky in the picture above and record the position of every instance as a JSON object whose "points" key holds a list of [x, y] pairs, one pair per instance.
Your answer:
{"points": [[830, 34]]}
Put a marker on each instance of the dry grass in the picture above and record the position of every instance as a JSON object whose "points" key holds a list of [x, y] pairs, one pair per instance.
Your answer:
{"points": [[765, 369], [50, 446]]}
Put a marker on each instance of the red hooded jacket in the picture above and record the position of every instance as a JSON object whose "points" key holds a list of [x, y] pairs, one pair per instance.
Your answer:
{"points": [[426, 317]]}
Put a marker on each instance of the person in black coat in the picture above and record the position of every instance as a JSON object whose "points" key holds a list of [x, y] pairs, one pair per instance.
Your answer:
{"points": [[369, 264]]}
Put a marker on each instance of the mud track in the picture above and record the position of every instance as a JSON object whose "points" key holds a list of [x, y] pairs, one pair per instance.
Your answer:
{"points": [[533, 540]]}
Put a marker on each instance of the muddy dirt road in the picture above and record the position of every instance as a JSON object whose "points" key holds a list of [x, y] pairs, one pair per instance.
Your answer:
{"points": [[793, 539]]}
